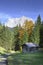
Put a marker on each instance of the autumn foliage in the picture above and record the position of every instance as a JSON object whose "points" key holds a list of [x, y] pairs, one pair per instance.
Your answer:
{"points": [[28, 25]]}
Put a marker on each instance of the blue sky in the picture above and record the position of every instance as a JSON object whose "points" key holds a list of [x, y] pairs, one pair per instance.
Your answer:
{"points": [[19, 8]]}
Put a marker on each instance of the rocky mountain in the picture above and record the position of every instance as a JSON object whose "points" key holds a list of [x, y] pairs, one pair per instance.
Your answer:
{"points": [[12, 22]]}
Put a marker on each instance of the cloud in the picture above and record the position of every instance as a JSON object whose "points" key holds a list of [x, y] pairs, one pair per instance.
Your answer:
{"points": [[12, 22], [4, 17]]}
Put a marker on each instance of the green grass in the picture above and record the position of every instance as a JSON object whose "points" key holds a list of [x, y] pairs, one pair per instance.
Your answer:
{"points": [[2, 50], [26, 59]]}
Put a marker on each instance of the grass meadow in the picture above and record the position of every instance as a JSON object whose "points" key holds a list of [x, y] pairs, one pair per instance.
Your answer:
{"points": [[26, 59]]}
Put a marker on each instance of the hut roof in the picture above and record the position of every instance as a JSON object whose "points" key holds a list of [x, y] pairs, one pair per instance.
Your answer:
{"points": [[31, 44]]}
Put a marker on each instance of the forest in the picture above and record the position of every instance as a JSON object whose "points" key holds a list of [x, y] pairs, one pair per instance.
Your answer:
{"points": [[14, 38]]}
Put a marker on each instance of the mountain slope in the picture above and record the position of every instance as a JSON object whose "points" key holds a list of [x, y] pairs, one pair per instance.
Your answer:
{"points": [[12, 22]]}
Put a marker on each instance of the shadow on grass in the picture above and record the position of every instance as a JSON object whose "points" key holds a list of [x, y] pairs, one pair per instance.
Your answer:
{"points": [[26, 59]]}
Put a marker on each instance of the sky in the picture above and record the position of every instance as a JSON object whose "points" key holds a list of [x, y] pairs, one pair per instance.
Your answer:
{"points": [[19, 8]]}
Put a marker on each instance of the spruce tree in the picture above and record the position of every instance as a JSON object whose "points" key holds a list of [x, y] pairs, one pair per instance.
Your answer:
{"points": [[16, 44], [35, 37]]}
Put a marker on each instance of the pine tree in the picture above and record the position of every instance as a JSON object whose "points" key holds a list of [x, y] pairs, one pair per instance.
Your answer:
{"points": [[41, 35], [1, 27], [16, 39], [35, 37], [25, 37]]}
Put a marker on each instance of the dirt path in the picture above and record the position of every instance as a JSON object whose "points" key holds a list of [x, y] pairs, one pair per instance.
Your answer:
{"points": [[3, 60], [3, 63]]}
